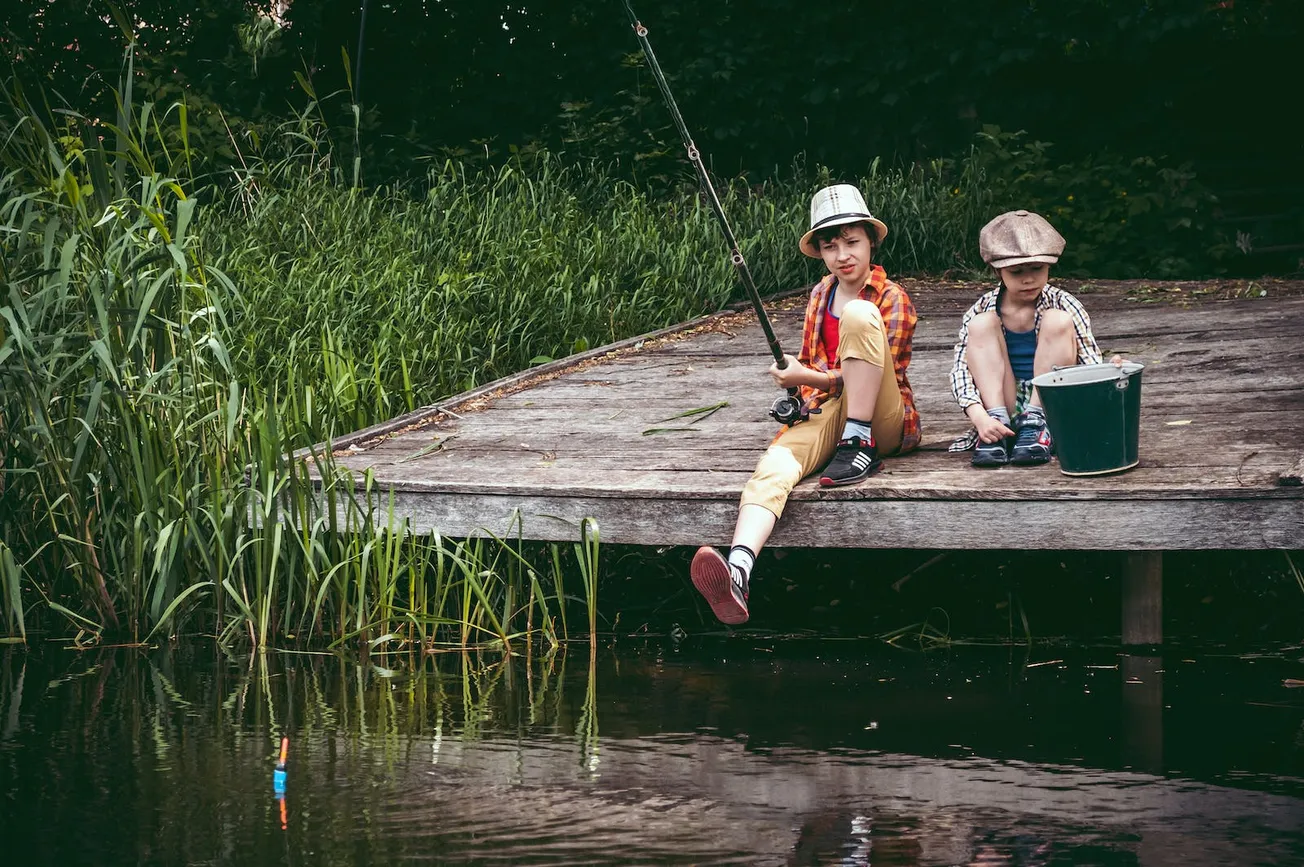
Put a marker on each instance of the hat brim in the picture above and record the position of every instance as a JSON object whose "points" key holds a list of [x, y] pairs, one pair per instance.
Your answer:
{"points": [[808, 246], [1023, 260]]}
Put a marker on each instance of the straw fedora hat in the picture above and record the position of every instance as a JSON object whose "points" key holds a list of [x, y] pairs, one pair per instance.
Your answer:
{"points": [[836, 206], [1019, 237]]}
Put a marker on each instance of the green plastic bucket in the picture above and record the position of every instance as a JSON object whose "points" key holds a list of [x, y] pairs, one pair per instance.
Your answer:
{"points": [[1094, 414]]}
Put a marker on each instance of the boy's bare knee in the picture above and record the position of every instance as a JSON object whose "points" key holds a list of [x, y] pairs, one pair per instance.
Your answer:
{"points": [[985, 327], [1055, 324]]}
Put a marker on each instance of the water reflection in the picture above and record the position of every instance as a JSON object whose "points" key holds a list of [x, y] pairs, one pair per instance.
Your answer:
{"points": [[742, 754]]}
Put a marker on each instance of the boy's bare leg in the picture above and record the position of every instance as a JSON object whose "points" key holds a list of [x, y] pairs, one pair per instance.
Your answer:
{"points": [[1057, 346], [754, 526], [860, 382], [989, 362], [723, 581]]}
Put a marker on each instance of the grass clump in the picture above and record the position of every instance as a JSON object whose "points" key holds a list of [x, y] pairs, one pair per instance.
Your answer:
{"points": [[148, 478]]}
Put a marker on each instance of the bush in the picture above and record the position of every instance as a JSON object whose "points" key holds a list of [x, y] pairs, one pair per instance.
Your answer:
{"points": [[1122, 216]]}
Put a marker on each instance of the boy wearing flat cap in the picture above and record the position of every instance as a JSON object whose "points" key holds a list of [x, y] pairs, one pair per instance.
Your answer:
{"points": [[855, 348], [1015, 332]]}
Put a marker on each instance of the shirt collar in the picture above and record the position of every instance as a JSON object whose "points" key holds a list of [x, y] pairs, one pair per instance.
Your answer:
{"points": [[874, 286]]}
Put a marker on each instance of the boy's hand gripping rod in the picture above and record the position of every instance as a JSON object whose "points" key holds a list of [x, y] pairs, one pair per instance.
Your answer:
{"points": [[787, 409]]}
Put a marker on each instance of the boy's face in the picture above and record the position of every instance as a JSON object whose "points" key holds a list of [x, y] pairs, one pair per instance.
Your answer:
{"points": [[847, 255], [1026, 280]]}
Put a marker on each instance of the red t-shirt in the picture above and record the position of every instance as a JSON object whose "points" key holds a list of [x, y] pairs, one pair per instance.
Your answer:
{"points": [[829, 330]]}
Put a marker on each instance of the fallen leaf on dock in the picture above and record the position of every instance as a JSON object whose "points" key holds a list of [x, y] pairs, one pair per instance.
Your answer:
{"points": [[699, 414], [435, 446]]}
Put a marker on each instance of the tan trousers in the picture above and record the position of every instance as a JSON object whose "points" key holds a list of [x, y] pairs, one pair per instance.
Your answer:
{"points": [[807, 446]]}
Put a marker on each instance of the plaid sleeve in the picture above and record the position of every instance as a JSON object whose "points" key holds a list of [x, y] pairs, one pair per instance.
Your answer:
{"points": [[811, 323], [899, 318], [1088, 350], [963, 388]]}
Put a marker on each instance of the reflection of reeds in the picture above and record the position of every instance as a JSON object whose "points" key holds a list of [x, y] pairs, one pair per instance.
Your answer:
{"points": [[587, 727]]}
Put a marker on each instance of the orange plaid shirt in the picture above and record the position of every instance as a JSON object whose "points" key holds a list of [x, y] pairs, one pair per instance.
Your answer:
{"points": [[898, 317]]}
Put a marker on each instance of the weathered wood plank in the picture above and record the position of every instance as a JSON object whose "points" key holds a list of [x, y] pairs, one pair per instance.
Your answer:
{"points": [[478, 476], [1027, 524], [1293, 476], [1168, 447]]}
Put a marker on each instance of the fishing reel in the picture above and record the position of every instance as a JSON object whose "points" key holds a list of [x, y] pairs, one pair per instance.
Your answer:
{"points": [[789, 409]]}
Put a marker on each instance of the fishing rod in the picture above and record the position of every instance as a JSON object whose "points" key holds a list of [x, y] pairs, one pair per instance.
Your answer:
{"points": [[787, 409]]}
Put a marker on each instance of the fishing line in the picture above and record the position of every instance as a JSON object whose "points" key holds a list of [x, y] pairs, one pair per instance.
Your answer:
{"points": [[787, 409]]}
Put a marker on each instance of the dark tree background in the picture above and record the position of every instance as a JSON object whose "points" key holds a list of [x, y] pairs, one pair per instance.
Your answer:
{"points": [[762, 83]]}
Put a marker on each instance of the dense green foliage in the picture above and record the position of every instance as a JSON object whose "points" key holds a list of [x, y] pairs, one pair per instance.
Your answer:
{"points": [[1136, 97], [145, 439]]}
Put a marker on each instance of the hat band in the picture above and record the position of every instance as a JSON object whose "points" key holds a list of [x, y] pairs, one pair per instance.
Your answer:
{"points": [[856, 214]]}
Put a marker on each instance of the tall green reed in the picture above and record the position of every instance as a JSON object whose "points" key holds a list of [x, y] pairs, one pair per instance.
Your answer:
{"points": [[149, 477]]}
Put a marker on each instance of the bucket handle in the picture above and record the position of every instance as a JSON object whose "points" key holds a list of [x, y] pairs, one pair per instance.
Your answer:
{"points": [[1121, 383]]}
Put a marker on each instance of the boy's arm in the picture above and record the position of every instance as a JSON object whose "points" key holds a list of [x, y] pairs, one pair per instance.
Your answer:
{"points": [[1088, 349], [807, 329], [900, 319], [963, 388], [799, 371]]}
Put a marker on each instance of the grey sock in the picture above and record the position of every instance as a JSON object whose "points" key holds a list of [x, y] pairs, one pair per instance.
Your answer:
{"points": [[1033, 409], [1001, 414], [857, 428]]}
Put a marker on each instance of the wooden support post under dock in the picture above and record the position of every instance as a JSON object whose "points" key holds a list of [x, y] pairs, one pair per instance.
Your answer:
{"points": [[1143, 597]]}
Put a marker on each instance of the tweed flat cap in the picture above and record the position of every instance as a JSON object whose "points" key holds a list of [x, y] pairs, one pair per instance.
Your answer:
{"points": [[1018, 237]]}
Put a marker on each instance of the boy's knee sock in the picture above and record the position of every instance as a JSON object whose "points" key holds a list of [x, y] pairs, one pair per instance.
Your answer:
{"points": [[857, 428], [1001, 414], [744, 559]]}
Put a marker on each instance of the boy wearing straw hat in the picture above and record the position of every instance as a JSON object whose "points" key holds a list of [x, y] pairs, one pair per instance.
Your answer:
{"points": [[1015, 332], [856, 344]]}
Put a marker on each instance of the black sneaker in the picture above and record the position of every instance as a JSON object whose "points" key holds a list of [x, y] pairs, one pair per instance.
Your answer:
{"points": [[995, 454], [722, 584], [1032, 443], [854, 461]]}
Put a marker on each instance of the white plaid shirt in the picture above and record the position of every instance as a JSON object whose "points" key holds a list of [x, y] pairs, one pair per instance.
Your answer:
{"points": [[962, 385]]}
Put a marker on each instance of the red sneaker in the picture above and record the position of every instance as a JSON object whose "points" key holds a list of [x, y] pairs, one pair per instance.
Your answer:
{"points": [[722, 585]]}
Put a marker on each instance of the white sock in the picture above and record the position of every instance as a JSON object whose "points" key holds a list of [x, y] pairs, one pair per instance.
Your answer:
{"points": [[742, 558], [1001, 414]]}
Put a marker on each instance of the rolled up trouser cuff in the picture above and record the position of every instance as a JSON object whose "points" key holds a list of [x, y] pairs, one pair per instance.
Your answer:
{"points": [[777, 473]]}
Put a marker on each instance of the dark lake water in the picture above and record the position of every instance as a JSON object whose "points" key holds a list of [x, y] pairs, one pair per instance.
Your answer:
{"points": [[742, 751]]}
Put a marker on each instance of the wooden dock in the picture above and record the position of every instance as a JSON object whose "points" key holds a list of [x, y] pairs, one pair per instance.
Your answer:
{"points": [[596, 436]]}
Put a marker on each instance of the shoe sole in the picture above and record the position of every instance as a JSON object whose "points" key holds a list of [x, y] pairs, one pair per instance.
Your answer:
{"points": [[988, 462], [710, 573], [826, 482]]}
